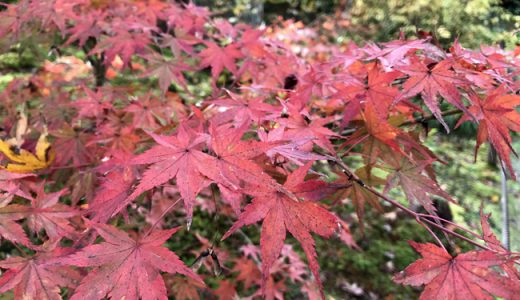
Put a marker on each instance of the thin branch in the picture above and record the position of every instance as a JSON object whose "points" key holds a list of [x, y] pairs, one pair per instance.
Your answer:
{"points": [[423, 120], [417, 120], [417, 216], [98, 63], [451, 223]]}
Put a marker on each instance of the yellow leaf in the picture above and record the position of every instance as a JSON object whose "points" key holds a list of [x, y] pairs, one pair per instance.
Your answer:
{"points": [[23, 161]]}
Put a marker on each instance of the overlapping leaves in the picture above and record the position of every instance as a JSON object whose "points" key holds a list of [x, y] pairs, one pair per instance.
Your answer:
{"points": [[277, 115]]}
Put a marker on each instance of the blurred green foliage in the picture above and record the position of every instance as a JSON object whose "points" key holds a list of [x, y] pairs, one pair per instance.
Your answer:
{"points": [[474, 22], [475, 183]]}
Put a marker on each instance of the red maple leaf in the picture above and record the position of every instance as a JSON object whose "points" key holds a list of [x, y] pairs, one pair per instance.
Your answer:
{"points": [[123, 44], [242, 109], [9, 229], [377, 91], [248, 272], [47, 213], [467, 276], [314, 83], [94, 104], [192, 18], [85, 27], [127, 268], [273, 290], [10, 187], [112, 191], [50, 13], [114, 134], [296, 151], [182, 42], [44, 213], [281, 213], [233, 165], [376, 129], [39, 276], [179, 157], [493, 243], [226, 290], [251, 41], [409, 176], [150, 112], [167, 71], [13, 18], [219, 58], [393, 52], [432, 80], [70, 146], [483, 68], [496, 115], [184, 288], [299, 126]]}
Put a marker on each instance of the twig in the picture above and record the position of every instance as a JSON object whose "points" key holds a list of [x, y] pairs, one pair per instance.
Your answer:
{"points": [[422, 120], [98, 63], [451, 223], [346, 170], [417, 120]]}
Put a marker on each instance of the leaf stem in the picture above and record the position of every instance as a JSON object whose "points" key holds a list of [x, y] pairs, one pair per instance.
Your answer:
{"points": [[162, 216], [451, 223]]}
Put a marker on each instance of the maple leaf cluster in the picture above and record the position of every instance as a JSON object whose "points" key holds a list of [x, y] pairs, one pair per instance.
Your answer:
{"points": [[281, 110]]}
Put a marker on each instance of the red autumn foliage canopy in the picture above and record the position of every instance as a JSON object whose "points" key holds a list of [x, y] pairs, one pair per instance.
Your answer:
{"points": [[84, 150]]}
